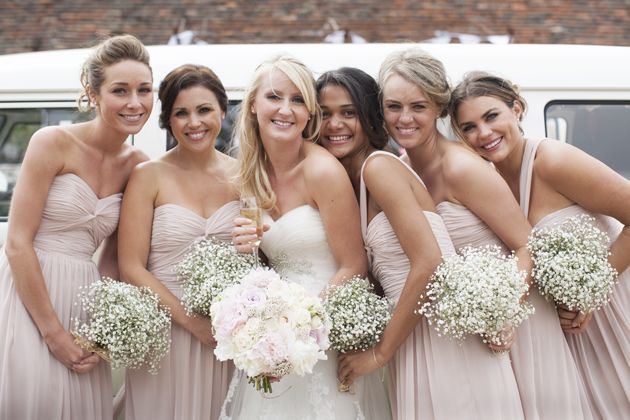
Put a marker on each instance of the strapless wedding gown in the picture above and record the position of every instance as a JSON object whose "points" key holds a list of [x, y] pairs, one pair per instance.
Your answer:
{"points": [[298, 250]]}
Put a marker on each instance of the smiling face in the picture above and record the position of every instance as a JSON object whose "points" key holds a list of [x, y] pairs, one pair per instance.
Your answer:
{"points": [[195, 120], [125, 98], [279, 106], [489, 126], [410, 116], [341, 133]]}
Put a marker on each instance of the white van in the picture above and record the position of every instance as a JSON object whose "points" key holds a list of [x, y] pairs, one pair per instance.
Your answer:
{"points": [[579, 94]]}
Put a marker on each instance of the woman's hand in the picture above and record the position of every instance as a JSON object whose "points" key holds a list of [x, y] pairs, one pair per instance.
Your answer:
{"points": [[350, 366], [573, 321], [201, 328], [507, 337], [244, 234], [61, 344]]}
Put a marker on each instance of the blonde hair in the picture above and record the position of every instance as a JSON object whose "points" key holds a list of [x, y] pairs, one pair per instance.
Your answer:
{"points": [[423, 70], [110, 51], [252, 175], [480, 83]]}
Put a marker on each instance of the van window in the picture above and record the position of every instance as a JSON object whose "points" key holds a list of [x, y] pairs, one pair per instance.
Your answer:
{"points": [[600, 128], [17, 125]]}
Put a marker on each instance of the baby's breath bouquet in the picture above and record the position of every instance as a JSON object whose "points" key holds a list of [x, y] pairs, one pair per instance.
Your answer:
{"points": [[125, 324], [571, 264], [358, 315], [476, 292], [207, 269]]}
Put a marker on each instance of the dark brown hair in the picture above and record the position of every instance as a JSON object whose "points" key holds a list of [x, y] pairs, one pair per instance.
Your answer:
{"points": [[184, 77]]}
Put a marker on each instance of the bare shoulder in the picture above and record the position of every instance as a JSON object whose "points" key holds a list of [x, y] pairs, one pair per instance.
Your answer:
{"points": [[319, 165], [54, 139], [459, 164], [135, 156], [229, 165], [553, 155], [148, 172], [50, 147], [386, 166]]}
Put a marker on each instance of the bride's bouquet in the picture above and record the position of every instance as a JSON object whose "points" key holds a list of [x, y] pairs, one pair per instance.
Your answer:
{"points": [[125, 324], [209, 267], [571, 264], [269, 327], [479, 291], [358, 315]]}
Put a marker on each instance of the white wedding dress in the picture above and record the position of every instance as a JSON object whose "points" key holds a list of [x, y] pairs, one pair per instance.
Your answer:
{"points": [[298, 250]]}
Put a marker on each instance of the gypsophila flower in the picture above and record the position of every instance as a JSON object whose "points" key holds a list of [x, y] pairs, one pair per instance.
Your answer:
{"points": [[571, 263], [358, 316], [269, 327], [124, 323], [207, 269], [478, 291]]}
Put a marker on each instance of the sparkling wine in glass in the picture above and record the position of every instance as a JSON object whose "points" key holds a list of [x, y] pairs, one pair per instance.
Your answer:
{"points": [[250, 210]]}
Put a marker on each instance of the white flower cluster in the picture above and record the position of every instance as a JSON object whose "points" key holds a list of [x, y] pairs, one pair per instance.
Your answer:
{"points": [[125, 322], [571, 263], [269, 327], [207, 269], [476, 292], [358, 315]]}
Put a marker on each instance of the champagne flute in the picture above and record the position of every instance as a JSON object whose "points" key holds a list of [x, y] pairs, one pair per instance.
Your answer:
{"points": [[250, 210]]}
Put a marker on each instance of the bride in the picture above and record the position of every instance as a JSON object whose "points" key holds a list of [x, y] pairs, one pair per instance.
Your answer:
{"points": [[314, 236]]}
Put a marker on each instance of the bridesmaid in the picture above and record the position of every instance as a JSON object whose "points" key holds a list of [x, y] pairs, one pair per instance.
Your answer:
{"points": [[432, 377], [478, 209], [66, 202], [169, 203], [554, 181]]}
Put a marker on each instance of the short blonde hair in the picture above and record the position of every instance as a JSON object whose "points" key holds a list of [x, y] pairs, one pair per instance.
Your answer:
{"points": [[252, 176], [423, 70], [110, 51]]}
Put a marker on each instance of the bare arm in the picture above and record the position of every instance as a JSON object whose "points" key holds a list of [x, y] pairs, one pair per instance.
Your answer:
{"points": [[134, 230], [330, 187], [108, 260], [586, 181], [42, 162], [404, 212], [484, 192]]}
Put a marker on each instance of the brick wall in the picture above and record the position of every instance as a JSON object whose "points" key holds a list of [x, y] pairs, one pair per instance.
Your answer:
{"points": [[31, 25]]}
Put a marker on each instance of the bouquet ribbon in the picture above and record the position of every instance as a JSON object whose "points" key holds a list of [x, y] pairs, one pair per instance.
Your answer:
{"points": [[91, 347]]}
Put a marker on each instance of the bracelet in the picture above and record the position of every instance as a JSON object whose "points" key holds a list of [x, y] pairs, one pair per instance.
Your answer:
{"points": [[378, 365], [374, 356]]}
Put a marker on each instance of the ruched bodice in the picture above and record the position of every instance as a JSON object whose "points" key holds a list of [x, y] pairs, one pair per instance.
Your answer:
{"points": [[388, 261], [175, 228], [466, 228], [75, 221], [298, 249]]}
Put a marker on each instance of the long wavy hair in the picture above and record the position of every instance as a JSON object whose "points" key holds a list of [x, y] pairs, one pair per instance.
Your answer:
{"points": [[252, 176]]}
